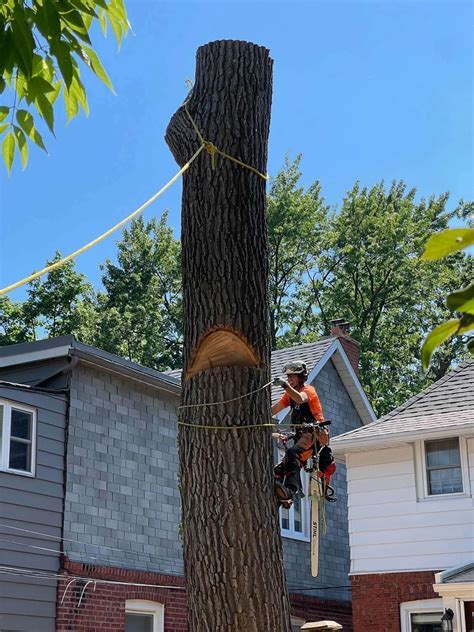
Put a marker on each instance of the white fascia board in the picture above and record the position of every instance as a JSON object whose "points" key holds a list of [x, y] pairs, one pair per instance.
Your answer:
{"points": [[35, 356]]}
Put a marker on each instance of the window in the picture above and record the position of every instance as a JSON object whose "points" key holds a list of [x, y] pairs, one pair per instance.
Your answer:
{"points": [[17, 438], [442, 469], [144, 616], [443, 466], [295, 521], [421, 616]]}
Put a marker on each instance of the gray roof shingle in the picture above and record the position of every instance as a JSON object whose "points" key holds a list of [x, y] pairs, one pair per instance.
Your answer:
{"points": [[446, 404]]}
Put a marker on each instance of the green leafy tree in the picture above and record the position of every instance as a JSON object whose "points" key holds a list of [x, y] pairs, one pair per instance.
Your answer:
{"points": [[62, 303], [140, 311], [42, 46], [14, 325], [365, 266], [297, 220]]}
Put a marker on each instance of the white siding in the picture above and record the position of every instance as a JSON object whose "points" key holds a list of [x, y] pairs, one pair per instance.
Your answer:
{"points": [[390, 529]]}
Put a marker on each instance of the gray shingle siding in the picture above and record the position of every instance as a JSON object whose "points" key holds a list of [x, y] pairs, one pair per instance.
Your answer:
{"points": [[33, 503], [122, 465], [334, 549]]}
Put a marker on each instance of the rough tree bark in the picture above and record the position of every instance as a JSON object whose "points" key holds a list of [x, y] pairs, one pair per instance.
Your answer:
{"points": [[232, 546]]}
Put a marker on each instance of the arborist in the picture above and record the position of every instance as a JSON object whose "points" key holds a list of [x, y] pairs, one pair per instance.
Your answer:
{"points": [[309, 436]]}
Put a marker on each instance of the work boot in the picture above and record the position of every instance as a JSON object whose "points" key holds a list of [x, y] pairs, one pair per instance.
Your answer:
{"points": [[283, 494]]}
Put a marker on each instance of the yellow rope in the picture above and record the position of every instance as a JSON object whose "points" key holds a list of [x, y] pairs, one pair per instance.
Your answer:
{"points": [[212, 150], [184, 423], [74, 254]]}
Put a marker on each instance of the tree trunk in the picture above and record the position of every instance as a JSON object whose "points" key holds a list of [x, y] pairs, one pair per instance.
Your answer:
{"points": [[232, 546]]}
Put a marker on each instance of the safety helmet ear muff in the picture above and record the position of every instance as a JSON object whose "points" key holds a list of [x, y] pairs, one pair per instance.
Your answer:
{"points": [[296, 368]]}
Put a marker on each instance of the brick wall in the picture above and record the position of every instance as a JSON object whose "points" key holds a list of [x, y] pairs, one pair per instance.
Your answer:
{"points": [[314, 609], [352, 349], [103, 608], [376, 598]]}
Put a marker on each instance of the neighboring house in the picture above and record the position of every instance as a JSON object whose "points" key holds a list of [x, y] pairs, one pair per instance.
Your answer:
{"points": [[411, 511], [93, 528]]}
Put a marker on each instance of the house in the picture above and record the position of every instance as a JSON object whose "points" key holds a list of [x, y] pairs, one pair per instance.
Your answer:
{"points": [[411, 511], [89, 521]]}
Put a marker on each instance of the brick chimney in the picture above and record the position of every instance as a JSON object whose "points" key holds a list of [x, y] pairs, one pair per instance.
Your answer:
{"points": [[340, 329]]}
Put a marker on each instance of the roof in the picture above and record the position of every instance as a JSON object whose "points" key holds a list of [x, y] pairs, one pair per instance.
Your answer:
{"points": [[445, 405], [316, 355], [68, 347]]}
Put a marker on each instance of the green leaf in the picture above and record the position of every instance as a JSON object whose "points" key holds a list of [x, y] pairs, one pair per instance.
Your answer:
{"points": [[37, 86], [71, 103], [8, 150], [470, 346], [23, 40], [462, 300], [52, 18], [4, 111], [97, 67], [45, 109], [78, 90], [467, 324], [52, 96], [26, 122], [74, 21], [22, 145], [436, 337], [2, 84], [447, 242], [62, 53], [4, 126]]}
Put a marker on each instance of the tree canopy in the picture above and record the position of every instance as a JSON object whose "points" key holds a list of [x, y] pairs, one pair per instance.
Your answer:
{"points": [[43, 44]]}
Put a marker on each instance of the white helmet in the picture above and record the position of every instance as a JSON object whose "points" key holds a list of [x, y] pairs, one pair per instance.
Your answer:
{"points": [[296, 368]]}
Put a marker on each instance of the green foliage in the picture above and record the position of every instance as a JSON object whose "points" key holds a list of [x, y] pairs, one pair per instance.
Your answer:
{"points": [[297, 221], [62, 303], [462, 301], [140, 311], [363, 264], [42, 44]]}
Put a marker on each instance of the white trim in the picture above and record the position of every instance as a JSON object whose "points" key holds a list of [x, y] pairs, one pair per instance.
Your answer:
{"points": [[408, 608], [422, 479], [305, 516], [6, 437], [355, 379], [157, 610], [461, 590]]}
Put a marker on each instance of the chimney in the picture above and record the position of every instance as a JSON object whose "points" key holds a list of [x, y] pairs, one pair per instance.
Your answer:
{"points": [[340, 329]]}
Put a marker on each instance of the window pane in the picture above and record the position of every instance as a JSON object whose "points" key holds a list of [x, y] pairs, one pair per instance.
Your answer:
{"points": [[138, 622], [297, 515], [426, 622], [21, 424], [285, 518], [20, 456], [446, 481], [443, 452]]}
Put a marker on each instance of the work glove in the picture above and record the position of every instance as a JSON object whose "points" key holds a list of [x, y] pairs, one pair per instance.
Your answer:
{"points": [[279, 382]]}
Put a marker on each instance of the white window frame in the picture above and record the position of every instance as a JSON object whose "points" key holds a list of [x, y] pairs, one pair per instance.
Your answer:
{"points": [[422, 478], [6, 437], [424, 606], [157, 610]]}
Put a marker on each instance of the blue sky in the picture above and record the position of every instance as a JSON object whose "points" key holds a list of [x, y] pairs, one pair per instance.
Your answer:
{"points": [[364, 90]]}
